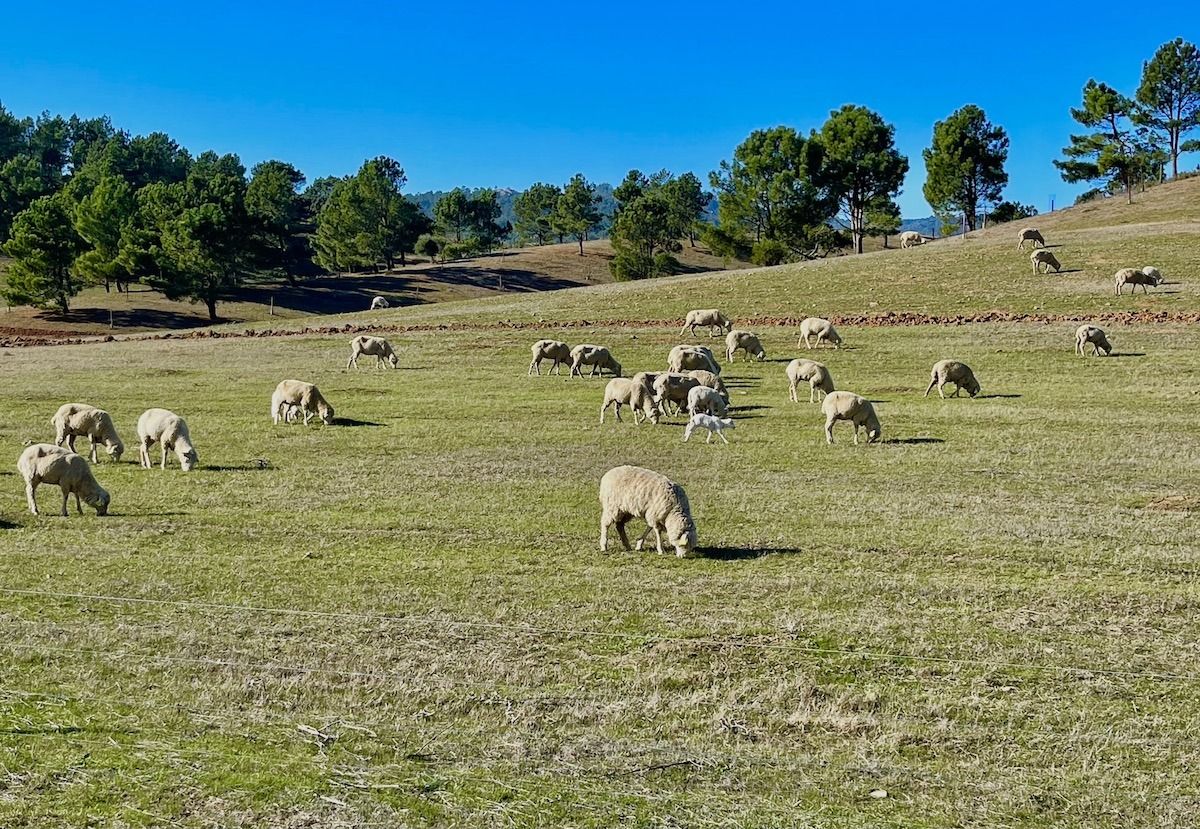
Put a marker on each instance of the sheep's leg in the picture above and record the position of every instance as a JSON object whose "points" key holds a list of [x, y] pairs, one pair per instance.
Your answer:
{"points": [[829, 429], [621, 532], [932, 383], [709, 438], [144, 453], [164, 456], [70, 441], [30, 491], [353, 361], [66, 497], [658, 539], [604, 533], [92, 453], [721, 435], [78, 506]]}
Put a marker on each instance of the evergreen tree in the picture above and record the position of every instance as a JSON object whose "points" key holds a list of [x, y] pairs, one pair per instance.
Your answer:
{"points": [[965, 165], [43, 246], [534, 212], [278, 212], [576, 213], [1168, 98], [453, 213], [100, 218], [1113, 152]]}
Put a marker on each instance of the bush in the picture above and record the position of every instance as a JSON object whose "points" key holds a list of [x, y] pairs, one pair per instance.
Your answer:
{"points": [[428, 245], [769, 252], [628, 265], [665, 264], [1089, 195]]}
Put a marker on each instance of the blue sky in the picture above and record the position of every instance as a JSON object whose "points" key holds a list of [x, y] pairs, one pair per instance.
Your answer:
{"points": [[505, 95]]}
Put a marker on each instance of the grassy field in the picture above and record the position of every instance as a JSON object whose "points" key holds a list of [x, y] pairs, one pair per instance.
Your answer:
{"points": [[987, 619]]}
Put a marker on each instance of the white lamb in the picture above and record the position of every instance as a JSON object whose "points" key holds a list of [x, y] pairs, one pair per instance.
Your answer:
{"points": [[714, 426], [1030, 235], [712, 381], [596, 356], [554, 350], [639, 396], [303, 395], [672, 387], [43, 463], [707, 401], [628, 492], [74, 420], [1085, 334], [692, 357], [714, 319], [844, 405], [376, 347], [952, 371], [169, 429], [909, 238], [1044, 257], [820, 382], [1145, 277], [379, 302], [820, 329], [738, 340]]}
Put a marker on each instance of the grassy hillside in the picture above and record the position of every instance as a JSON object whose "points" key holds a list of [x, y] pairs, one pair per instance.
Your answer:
{"points": [[403, 619]]}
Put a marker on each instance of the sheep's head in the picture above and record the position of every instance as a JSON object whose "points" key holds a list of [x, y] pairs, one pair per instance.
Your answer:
{"points": [[615, 366], [99, 501], [326, 412], [874, 430], [972, 387], [393, 359], [116, 450], [684, 541], [188, 460]]}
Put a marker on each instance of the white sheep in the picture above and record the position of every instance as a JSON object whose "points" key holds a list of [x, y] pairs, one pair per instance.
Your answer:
{"points": [[692, 357], [1041, 257], [844, 405], [820, 329], [43, 463], [169, 429], [638, 395], [1029, 235], [379, 302], [672, 387], [1085, 334], [714, 319], [595, 356], [714, 426], [554, 350], [707, 401], [628, 492], [909, 238], [1145, 277], [304, 395], [820, 382], [712, 381], [376, 347], [738, 340], [78, 420], [952, 371]]}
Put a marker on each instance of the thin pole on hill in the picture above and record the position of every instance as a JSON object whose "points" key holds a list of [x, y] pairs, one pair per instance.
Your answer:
{"points": [[271, 310]]}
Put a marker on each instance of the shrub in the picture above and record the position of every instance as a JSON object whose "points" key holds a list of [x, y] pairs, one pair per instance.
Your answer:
{"points": [[769, 252]]}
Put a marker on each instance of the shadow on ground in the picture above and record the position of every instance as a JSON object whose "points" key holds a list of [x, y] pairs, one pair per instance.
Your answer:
{"points": [[743, 553]]}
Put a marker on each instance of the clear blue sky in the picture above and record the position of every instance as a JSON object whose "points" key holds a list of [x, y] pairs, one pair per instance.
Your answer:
{"points": [[503, 95]]}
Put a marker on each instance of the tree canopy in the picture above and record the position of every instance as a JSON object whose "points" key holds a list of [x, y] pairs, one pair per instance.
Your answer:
{"points": [[965, 164], [1168, 97], [1112, 153]]}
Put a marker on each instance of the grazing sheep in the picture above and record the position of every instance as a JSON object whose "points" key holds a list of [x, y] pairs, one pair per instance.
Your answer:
{"points": [[303, 395], [74, 420], [373, 347], [821, 329], [595, 356], [1030, 235], [379, 302], [844, 405], [692, 357], [1153, 273], [714, 319], [628, 492], [819, 380], [1130, 276], [43, 463], [554, 350], [706, 400], [1044, 257], [672, 387], [743, 341], [712, 381], [952, 371], [909, 238], [1085, 334], [168, 428], [639, 396], [714, 425]]}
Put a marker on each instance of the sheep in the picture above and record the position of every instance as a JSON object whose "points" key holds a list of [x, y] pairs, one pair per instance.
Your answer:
{"points": [[301, 394], [712, 381], [376, 347], [637, 395], [554, 350], [952, 371], [595, 356], [1029, 235], [706, 400], [714, 425], [714, 319], [290, 412], [744, 341], [379, 302], [43, 463], [844, 405], [821, 329], [909, 238], [691, 357], [1044, 257], [628, 492], [168, 428], [1145, 277], [1085, 334], [79, 419], [672, 387], [819, 380]]}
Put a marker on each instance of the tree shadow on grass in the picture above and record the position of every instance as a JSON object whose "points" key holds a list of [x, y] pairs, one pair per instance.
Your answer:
{"points": [[911, 441], [743, 553], [349, 421]]}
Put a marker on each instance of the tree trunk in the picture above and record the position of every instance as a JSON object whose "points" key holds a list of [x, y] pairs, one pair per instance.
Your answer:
{"points": [[211, 302], [580, 244]]}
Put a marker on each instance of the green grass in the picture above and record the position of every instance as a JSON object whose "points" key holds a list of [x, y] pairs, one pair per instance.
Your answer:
{"points": [[405, 620]]}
